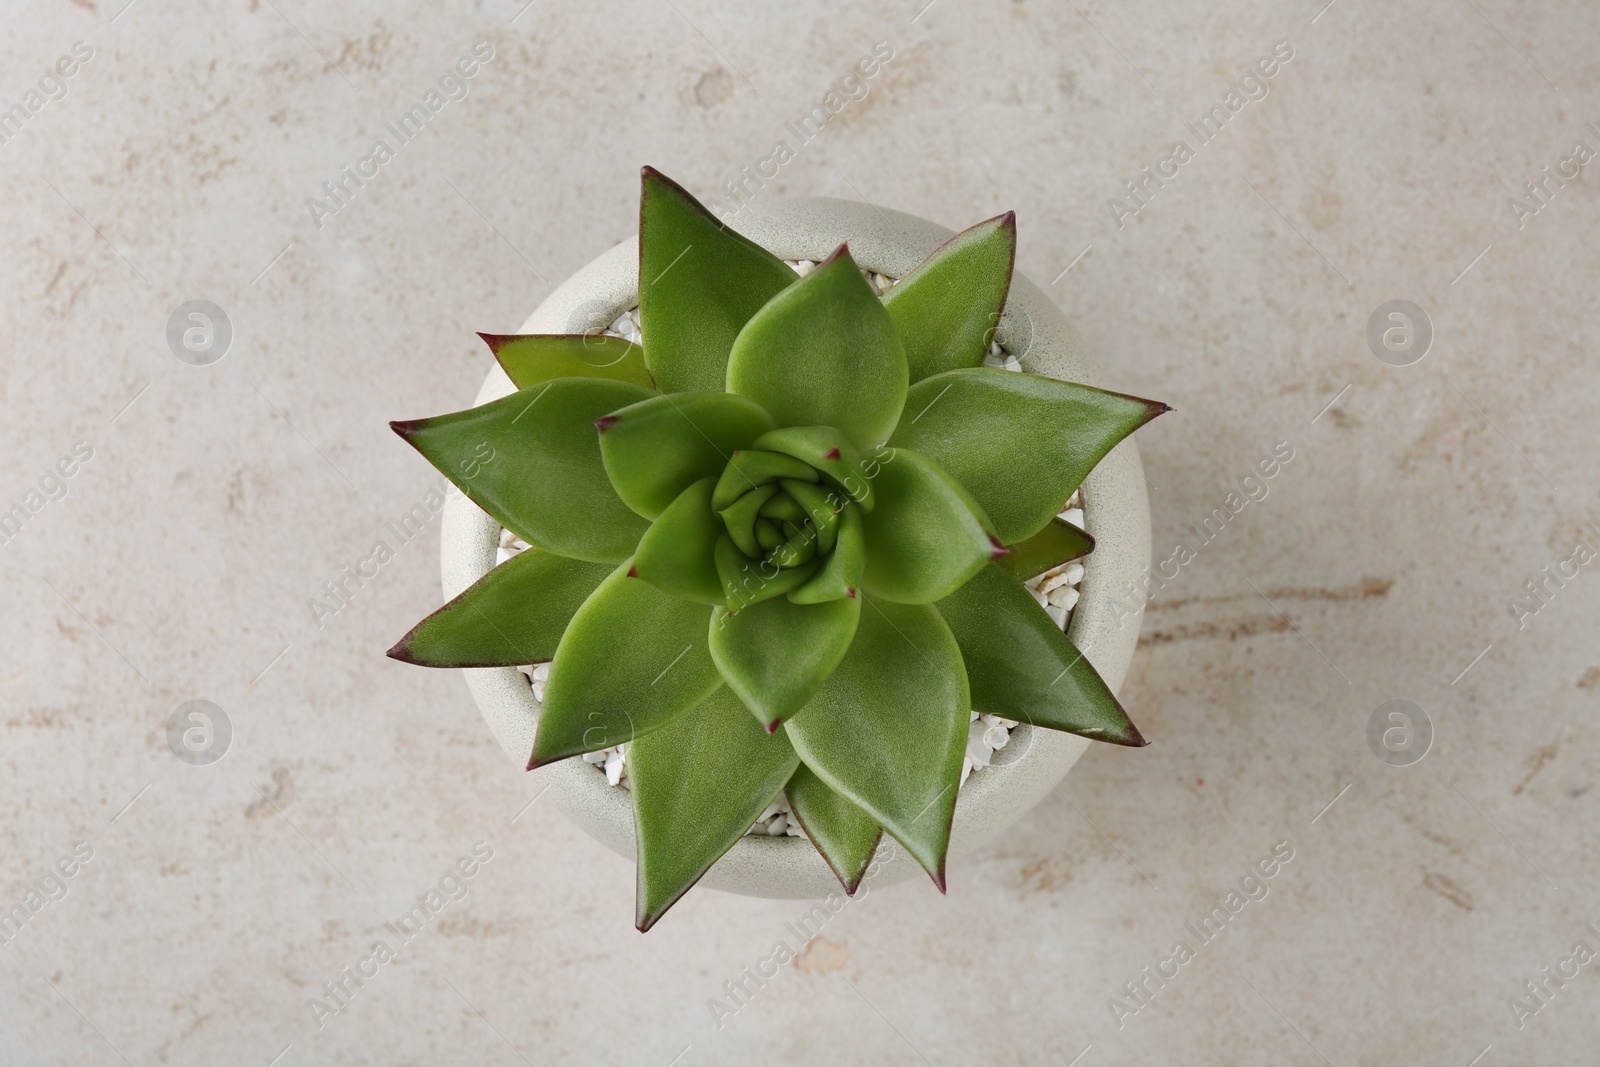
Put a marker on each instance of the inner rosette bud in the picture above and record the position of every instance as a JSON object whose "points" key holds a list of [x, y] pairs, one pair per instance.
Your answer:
{"points": [[791, 516]]}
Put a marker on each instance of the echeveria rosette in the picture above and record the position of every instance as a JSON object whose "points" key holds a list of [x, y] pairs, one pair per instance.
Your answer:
{"points": [[781, 545]]}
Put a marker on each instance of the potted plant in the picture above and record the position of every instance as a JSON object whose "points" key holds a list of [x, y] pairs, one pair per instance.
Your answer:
{"points": [[779, 548]]}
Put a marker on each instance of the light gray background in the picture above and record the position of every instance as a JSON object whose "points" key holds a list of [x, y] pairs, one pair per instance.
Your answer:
{"points": [[179, 564]]}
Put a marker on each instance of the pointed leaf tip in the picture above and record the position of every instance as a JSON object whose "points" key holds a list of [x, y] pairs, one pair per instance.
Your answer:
{"points": [[605, 422], [832, 453], [495, 341], [1021, 666], [1000, 550], [633, 572]]}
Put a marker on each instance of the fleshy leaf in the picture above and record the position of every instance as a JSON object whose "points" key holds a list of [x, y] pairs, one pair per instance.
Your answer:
{"points": [[698, 784], [513, 615], [926, 536], [699, 283], [844, 834], [529, 359], [1052, 546], [819, 505], [840, 575], [532, 461], [632, 659], [776, 655], [831, 454], [740, 520], [889, 726], [1020, 443], [657, 448], [749, 470], [949, 304], [824, 352], [1021, 666], [678, 553], [746, 581]]}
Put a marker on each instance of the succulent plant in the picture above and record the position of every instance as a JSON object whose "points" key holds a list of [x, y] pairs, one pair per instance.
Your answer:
{"points": [[781, 545]]}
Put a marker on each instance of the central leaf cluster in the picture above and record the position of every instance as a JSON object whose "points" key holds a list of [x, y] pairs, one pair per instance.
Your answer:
{"points": [[783, 518]]}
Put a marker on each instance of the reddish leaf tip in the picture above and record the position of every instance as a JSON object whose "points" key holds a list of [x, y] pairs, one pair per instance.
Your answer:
{"points": [[495, 341], [832, 453], [850, 592], [633, 572], [843, 250], [406, 427], [772, 727], [400, 653], [1000, 551], [605, 422]]}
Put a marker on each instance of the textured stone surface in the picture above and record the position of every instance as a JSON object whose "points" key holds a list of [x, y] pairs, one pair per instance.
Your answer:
{"points": [[1384, 558]]}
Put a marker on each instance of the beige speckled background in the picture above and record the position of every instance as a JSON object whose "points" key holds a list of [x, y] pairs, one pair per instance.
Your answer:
{"points": [[1385, 557]]}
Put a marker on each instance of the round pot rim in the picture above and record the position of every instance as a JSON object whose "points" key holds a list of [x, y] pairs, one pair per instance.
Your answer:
{"points": [[1116, 514]]}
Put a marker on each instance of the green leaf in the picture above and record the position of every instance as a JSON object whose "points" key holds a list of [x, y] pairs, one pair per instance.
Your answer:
{"points": [[1021, 666], [699, 283], [749, 470], [746, 581], [532, 461], [657, 448], [698, 784], [820, 506], [1052, 546], [840, 575], [801, 547], [529, 359], [632, 659], [824, 352], [740, 520], [513, 615], [949, 304], [889, 726], [783, 507], [926, 536], [1020, 443], [831, 454], [678, 553], [776, 655], [844, 834]]}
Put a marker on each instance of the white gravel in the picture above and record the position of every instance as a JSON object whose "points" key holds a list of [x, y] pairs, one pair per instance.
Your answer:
{"points": [[1056, 590]]}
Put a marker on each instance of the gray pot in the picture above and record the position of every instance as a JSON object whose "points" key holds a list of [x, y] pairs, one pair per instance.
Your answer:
{"points": [[1116, 512]]}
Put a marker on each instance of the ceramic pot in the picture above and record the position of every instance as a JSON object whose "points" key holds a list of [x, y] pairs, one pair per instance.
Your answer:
{"points": [[1116, 512]]}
